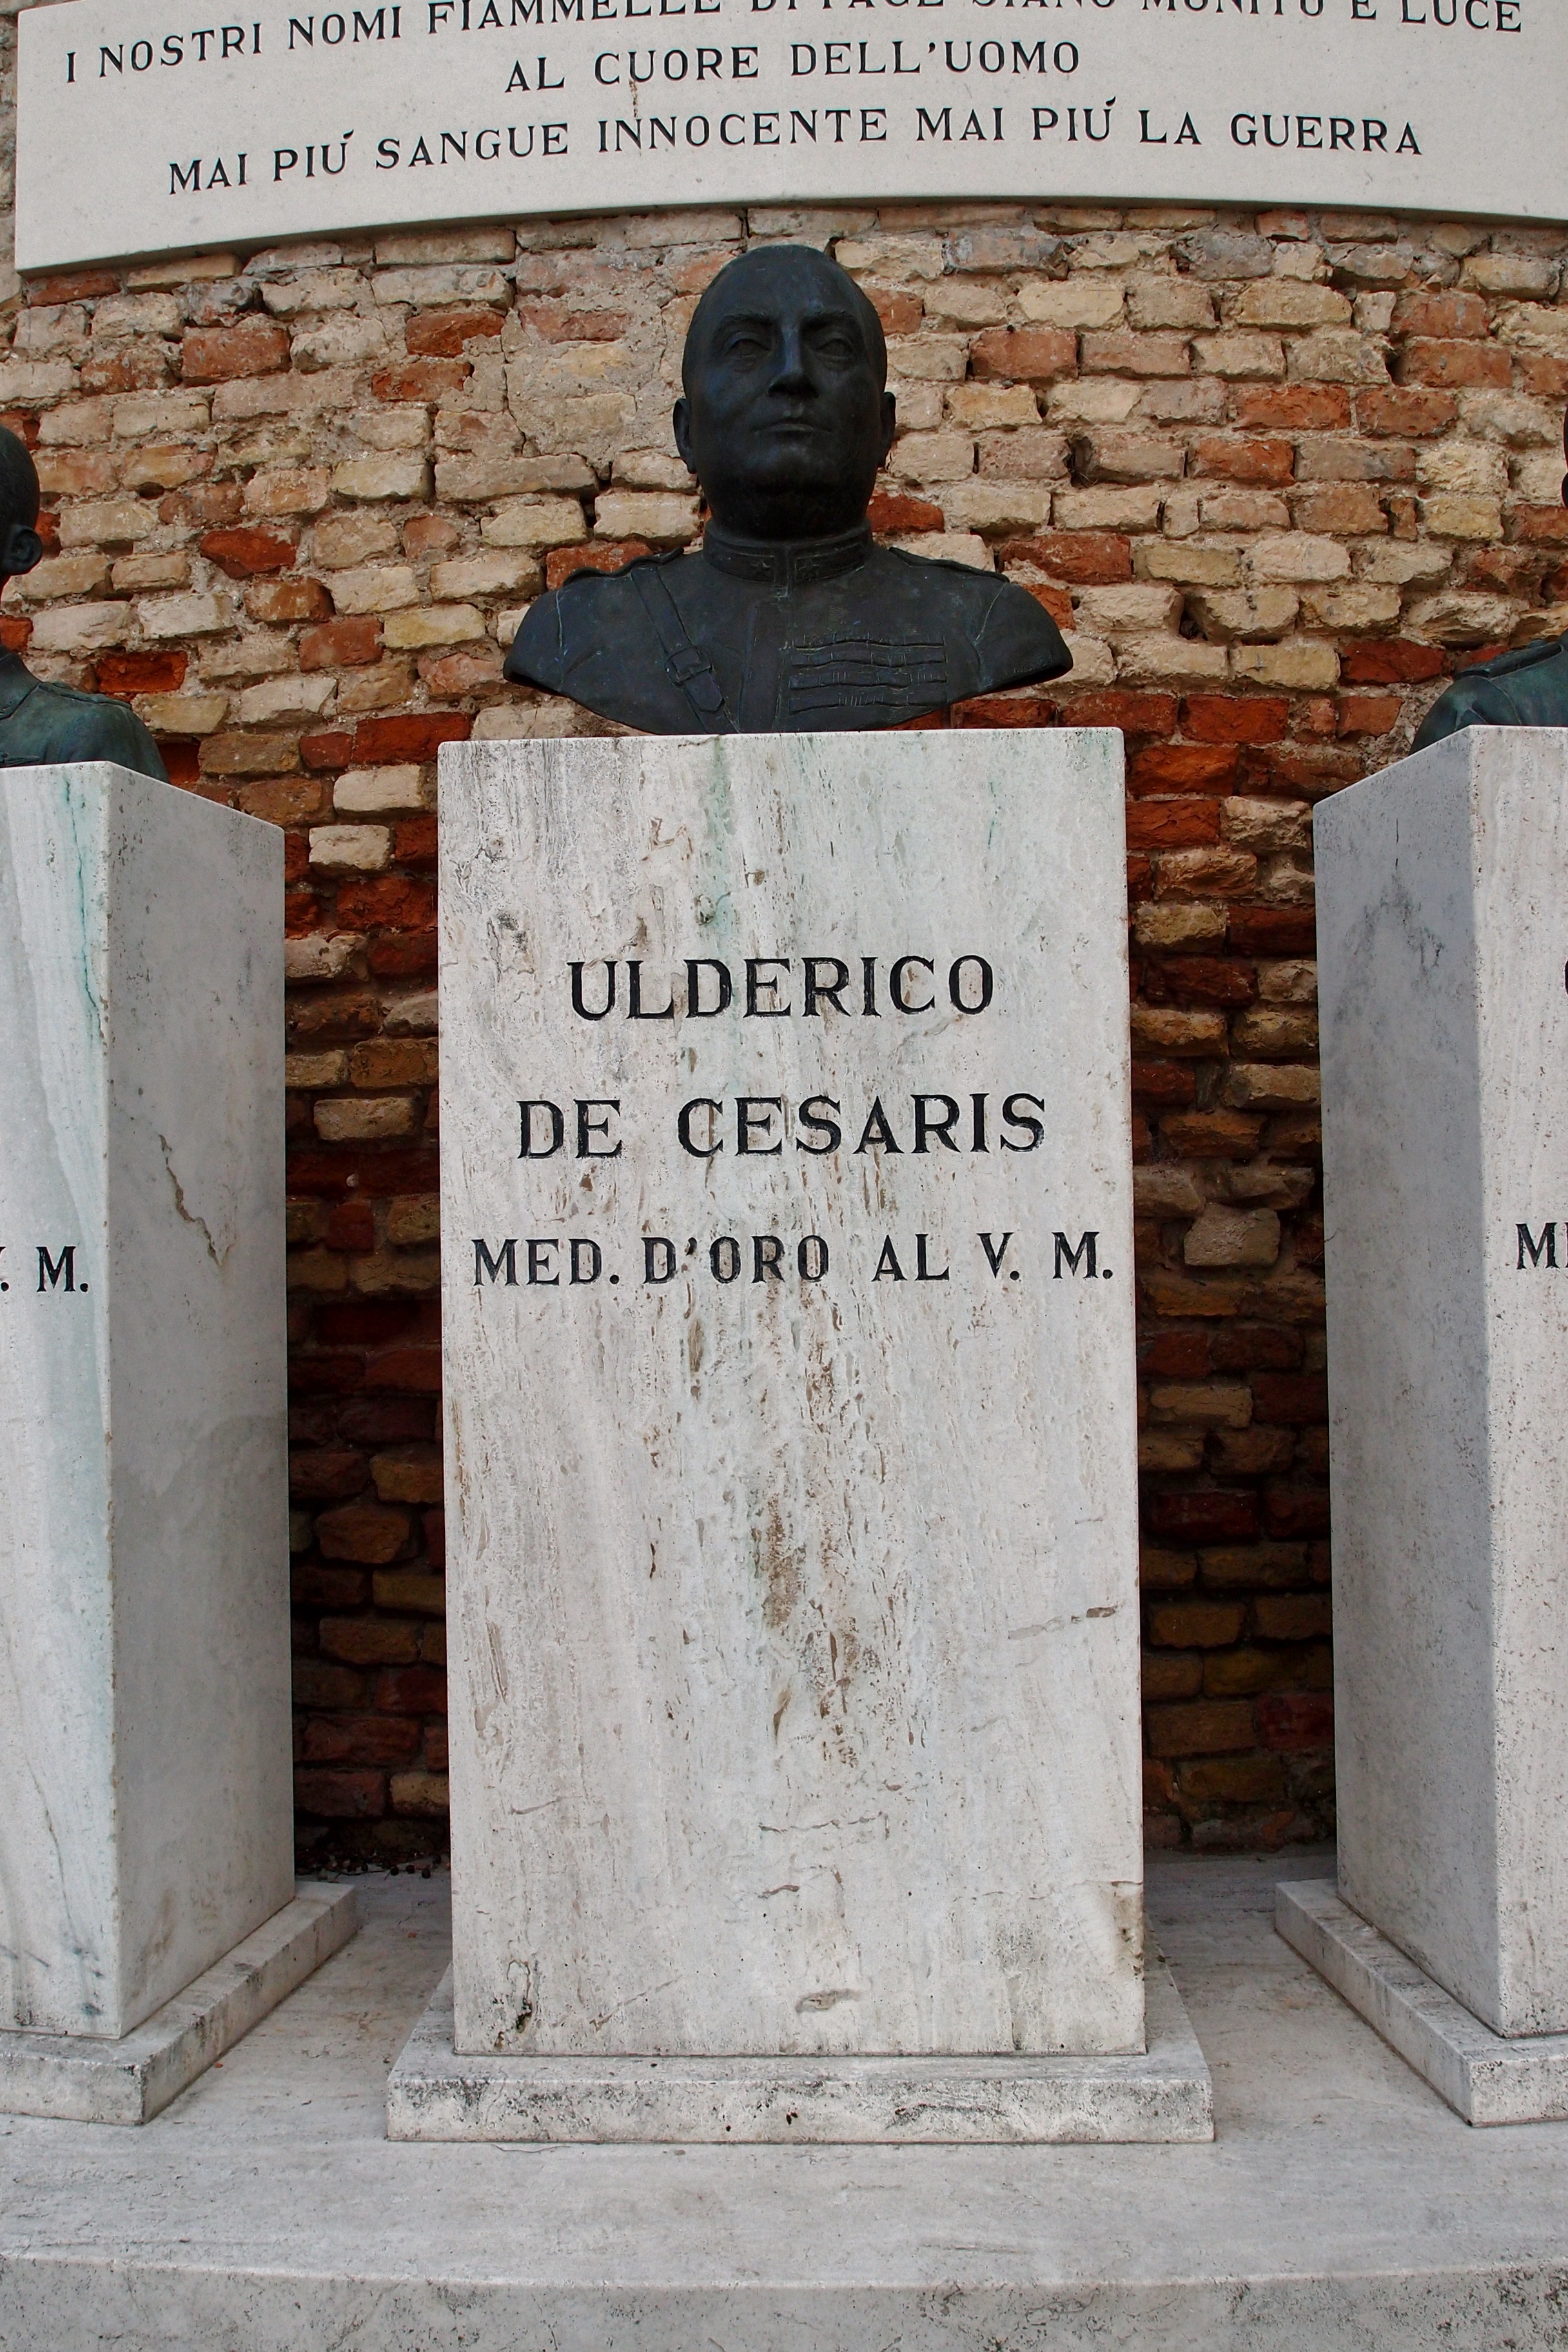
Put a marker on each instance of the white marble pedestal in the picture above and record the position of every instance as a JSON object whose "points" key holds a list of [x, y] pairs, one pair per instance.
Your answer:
{"points": [[1442, 886], [146, 1829], [790, 1430]]}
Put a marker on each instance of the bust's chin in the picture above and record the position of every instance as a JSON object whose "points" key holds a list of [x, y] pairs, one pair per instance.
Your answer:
{"points": [[788, 508]]}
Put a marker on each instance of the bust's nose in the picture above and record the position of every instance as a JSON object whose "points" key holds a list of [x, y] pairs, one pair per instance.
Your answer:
{"points": [[790, 374]]}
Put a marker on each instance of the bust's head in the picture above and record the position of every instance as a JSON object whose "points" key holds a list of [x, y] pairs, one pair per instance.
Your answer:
{"points": [[20, 546], [786, 418]]}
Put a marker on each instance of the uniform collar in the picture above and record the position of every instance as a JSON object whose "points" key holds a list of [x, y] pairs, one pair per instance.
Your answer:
{"points": [[787, 562], [17, 682]]}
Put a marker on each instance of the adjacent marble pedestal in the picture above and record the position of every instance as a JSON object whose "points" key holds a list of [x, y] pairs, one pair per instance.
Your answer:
{"points": [[145, 1830], [1441, 890], [788, 1271]]}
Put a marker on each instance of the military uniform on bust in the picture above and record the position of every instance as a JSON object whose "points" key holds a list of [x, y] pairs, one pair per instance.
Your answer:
{"points": [[791, 618], [1526, 686], [43, 725]]}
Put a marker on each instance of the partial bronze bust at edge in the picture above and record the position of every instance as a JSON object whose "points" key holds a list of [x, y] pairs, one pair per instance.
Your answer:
{"points": [[791, 618]]}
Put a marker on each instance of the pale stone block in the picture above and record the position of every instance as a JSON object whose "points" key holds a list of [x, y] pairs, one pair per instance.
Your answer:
{"points": [[144, 1738], [795, 1698], [536, 523], [1443, 1015], [368, 791], [435, 624], [389, 476], [359, 848]]}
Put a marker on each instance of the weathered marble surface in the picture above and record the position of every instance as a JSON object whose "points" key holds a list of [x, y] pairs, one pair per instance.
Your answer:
{"points": [[145, 1750], [1441, 888], [1163, 2093], [1488, 2078], [81, 2078], [794, 1622]]}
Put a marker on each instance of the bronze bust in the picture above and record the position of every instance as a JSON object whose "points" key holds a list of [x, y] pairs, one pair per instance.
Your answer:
{"points": [[43, 725], [791, 618], [1526, 686]]}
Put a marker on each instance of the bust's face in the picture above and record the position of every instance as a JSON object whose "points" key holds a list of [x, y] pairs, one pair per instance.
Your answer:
{"points": [[785, 421]]}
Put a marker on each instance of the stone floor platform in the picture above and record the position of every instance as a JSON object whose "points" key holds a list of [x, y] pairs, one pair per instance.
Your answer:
{"points": [[1342, 2205], [133, 2079], [1165, 2093], [1485, 2077]]}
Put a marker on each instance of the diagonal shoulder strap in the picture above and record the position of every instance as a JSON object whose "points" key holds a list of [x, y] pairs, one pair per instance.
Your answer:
{"points": [[692, 671]]}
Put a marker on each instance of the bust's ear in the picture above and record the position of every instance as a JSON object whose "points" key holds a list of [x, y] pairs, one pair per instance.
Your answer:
{"points": [[680, 418], [22, 550]]}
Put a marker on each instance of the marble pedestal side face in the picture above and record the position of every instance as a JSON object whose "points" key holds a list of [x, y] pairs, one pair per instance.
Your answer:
{"points": [[790, 1396], [1442, 885], [144, 1749]]}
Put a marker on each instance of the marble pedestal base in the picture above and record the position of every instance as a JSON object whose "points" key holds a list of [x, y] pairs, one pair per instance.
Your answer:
{"points": [[133, 2079], [1162, 2094], [1487, 2077]]}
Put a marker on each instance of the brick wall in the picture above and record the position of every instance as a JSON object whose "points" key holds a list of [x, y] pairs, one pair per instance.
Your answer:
{"points": [[1276, 473]]}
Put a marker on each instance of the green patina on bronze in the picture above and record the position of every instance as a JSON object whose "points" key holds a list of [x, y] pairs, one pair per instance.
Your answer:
{"points": [[43, 725]]}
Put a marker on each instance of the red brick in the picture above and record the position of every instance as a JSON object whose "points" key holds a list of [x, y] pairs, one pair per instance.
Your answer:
{"points": [[1393, 661], [219, 354], [1183, 768], [1456, 365], [1292, 407], [319, 1684], [15, 632], [1053, 599], [1173, 824], [1225, 458], [378, 742], [441, 334], [1369, 714], [1255, 1347], [326, 1477], [1235, 718], [1208, 1728], [1119, 707], [311, 1586], [385, 901], [1538, 527], [69, 286], [1292, 1617], [182, 762], [1442, 314], [1294, 1511], [350, 1321], [201, 505], [1544, 374], [1212, 1135], [432, 380], [163, 672], [1205, 1515], [1346, 507], [360, 1739], [1164, 1083], [287, 599], [341, 645], [1298, 1399], [900, 313], [1195, 1624], [334, 749], [127, 367], [562, 561], [407, 1368], [1273, 930], [1175, 1355], [341, 1796], [1295, 1720], [1139, 878], [351, 1225], [244, 552], [1207, 980], [1404, 412], [1024, 355], [895, 510], [412, 1690], [413, 841], [370, 1641], [1087, 559], [1004, 710], [558, 324], [403, 956], [369, 1532]]}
